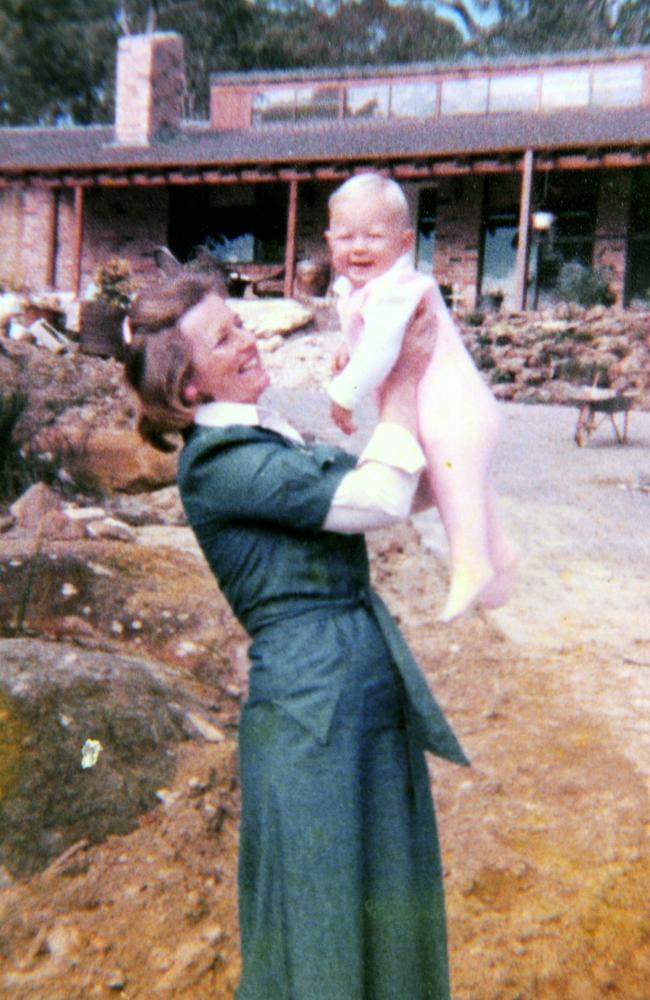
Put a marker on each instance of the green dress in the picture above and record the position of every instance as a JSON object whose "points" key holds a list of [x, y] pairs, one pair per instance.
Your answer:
{"points": [[340, 883]]}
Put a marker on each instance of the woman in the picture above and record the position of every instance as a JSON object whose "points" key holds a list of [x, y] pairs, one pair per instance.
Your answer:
{"points": [[339, 873]]}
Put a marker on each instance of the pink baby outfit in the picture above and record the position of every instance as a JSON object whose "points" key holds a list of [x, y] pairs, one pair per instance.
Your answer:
{"points": [[458, 417]]}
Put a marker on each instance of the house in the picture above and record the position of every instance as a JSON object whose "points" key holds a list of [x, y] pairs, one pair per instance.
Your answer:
{"points": [[511, 167]]}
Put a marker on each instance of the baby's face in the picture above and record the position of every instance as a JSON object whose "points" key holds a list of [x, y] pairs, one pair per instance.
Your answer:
{"points": [[366, 237]]}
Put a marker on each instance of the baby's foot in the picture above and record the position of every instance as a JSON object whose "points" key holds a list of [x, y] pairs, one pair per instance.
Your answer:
{"points": [[499, 590], [466, 588]]}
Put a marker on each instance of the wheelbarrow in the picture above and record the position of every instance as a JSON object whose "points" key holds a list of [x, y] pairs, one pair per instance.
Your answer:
{"points": [[596, 405]]}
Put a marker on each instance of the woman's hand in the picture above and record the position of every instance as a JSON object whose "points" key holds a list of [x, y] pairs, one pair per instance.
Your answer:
{"points": [[398, 399]]}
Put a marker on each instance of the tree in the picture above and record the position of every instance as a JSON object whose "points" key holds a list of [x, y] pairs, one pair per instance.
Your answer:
{"points": [[352, 32], [57, 57], [53, 60], [633, 23], [557, 25]]}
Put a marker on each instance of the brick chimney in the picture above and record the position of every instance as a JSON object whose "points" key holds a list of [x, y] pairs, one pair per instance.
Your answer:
{"points": [[150, 84]]}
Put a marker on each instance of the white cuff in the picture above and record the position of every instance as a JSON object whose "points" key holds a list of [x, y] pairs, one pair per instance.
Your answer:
{"points": [[340, 392], [391, 444]]}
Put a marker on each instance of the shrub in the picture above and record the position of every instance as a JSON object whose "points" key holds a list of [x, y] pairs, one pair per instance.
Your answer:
{"points": [[475, 318], [16, 472], [587, 286], [114, 283]]}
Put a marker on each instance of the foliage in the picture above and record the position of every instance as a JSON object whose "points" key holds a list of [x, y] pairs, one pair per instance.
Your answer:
{"points": [[343, 33], [585, 285], [475, 317], [57, 57], [16, 473], [114, 284]]}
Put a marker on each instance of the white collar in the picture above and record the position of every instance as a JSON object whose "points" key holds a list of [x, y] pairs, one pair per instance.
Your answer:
{"points": [[220, 414], [225, 414]]}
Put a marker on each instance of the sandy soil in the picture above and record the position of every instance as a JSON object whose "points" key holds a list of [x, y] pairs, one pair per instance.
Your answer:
{"points": [[545, 838]]}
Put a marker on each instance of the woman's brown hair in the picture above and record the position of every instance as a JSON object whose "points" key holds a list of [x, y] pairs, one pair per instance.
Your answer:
{"points": [[158, 359]]}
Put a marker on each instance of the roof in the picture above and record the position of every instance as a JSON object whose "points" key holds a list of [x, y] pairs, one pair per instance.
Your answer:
{"points": [[468, 63], [43, 151]]}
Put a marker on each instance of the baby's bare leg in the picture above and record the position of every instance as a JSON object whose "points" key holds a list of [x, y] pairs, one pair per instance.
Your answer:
{"points": [[503, 556], [458, 480]]}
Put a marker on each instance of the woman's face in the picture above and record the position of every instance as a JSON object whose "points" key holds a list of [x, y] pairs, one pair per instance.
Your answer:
{"points": [[226, 360]]}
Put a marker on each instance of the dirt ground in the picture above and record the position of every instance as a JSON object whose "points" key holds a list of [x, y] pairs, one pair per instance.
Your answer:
{"points": [[544, 838]]}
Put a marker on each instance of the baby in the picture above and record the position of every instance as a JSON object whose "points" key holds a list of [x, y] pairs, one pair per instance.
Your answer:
{"points": [[378, 291]]}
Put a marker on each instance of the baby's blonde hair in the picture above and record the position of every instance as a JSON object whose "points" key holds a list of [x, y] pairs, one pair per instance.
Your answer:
{"points": [[371, 185]]}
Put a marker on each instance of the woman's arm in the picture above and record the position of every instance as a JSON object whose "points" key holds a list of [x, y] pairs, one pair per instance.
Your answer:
{"points": [[381, 490]]}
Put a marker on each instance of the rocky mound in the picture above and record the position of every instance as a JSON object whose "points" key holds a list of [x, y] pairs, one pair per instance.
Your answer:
{"points": [[547, 357]]}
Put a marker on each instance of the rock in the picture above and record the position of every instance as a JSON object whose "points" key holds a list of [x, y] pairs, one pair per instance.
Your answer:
{"points": [[11, 304], [205, 728], [108, 460], [30, 509], [116, 981], [190, 962], [48, 337], [161, 507], [110, 527], [84, 514], [54, 699], [57, 525], [273, 343], [267, 317]]}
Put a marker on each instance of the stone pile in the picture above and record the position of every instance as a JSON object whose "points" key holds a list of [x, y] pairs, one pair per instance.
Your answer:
{"points": [[46, 320], [41, 511], [547, 357]]}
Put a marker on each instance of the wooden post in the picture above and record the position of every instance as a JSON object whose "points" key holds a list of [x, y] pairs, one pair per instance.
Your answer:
{"points": [[290, 249], [52, 239], [523, 243], [77, 246]]}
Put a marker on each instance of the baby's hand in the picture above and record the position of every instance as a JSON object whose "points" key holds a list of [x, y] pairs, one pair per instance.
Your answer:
{"points": [[340, 359], [342, 418]]}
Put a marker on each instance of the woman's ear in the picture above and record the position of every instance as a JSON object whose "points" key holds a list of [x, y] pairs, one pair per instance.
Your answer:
{"points": [[191, 393]]}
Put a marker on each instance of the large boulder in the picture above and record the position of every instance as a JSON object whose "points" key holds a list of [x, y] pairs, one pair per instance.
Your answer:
{"points": [[105, 460], [86, 744], [267, 318]]}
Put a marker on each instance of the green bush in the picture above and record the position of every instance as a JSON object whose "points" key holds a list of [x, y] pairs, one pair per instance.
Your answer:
{"points": [[16, 473], [114, 283], [587, 286], [475, 318]]}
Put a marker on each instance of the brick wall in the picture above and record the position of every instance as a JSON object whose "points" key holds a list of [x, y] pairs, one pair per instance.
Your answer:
{"points": [[129, 223], [458, 230], [38, 234], [150, 84]]}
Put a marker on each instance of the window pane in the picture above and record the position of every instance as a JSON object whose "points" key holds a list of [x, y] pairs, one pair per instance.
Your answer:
{"points": [[413, 100], [317, 103], [426, 229], [618, 86], [367, 102], [500, 256], [464, 96], [517, 92], [273, 106], [565, 89]]}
